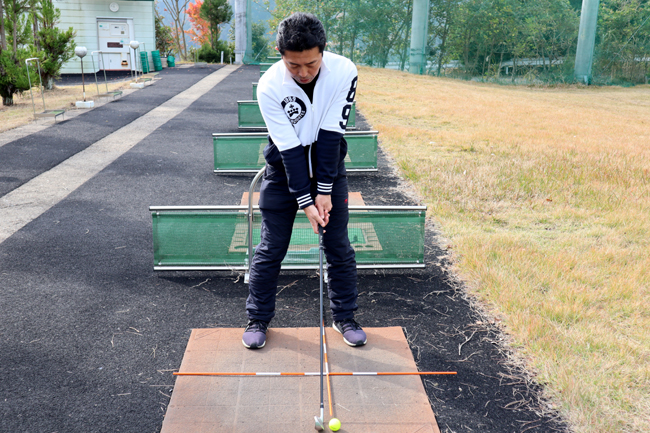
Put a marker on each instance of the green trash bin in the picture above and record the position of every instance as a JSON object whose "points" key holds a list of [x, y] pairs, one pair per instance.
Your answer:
{"points": [[157, 63], [171, 61], [144, 58]]}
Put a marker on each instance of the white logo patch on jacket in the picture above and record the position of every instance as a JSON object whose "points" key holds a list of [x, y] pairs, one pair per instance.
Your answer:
{"points": [[295, 108]]}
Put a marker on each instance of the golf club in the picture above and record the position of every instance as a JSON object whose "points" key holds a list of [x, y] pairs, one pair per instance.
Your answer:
{"points": [[318, 421]]}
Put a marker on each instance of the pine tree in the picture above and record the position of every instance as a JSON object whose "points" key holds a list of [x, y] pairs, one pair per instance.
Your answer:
{"points": [[57, 45]]}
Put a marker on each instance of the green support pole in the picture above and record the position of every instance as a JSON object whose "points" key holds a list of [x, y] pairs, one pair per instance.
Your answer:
{"points": [[586, 40], [419, 33]]}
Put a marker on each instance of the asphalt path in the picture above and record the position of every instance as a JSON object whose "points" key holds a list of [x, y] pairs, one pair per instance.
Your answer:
{"points": [[90, 334], [27, 157]]}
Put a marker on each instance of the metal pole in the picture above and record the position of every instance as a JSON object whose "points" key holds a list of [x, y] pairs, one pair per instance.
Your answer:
{"points": [[419, 33], [586, 40], [95, 70], [104, 67], [30, 83], [40, 81], [250, 216], [83, 81]]}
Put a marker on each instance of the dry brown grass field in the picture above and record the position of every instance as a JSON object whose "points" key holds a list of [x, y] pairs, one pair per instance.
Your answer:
{"points": [[22, 112], [543, 195]]}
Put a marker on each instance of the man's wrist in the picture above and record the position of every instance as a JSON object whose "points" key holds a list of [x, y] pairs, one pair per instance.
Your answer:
{"points": [[305, 201], [325, 188]]}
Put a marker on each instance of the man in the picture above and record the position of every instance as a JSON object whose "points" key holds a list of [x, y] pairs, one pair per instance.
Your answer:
{"points": [[305, 100]]}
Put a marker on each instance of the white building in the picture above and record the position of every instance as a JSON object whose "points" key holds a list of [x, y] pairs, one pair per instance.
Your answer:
{"points": [[108, 26]]}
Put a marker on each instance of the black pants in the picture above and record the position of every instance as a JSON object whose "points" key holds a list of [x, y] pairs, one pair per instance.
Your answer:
{"points": [[279, 207]]}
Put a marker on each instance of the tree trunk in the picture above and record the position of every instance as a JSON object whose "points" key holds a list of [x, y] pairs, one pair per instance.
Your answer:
{"points": [[500, 61], [8, 101], [3, 36], [341, 34], [354, 37], [35, 27], [14, 33], [442, 47], [49, 82]]}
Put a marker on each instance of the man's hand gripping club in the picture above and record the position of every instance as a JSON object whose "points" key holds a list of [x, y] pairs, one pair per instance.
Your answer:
{"points": [[319, 214]]}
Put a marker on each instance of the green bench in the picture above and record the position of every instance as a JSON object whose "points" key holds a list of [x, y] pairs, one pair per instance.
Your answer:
{"points": [[242, 153], [250, 116], [113, 94]]}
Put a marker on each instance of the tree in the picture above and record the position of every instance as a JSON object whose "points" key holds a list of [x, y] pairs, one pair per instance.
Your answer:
{"points": [[164, 39], [485, 33], [441, 19], [384, 28], [34, 9], [377, 29], [261, 45], [216, 12], [200, 31], [13, 74], [328, 12], [623, 43], [176, 9], [58, 45], [16, 23]]}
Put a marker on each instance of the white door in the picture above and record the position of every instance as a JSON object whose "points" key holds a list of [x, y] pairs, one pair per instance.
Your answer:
{"points": [[114, 37]]}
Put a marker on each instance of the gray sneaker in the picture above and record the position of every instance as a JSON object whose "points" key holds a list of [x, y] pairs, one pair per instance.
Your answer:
{"points": [[352, 333], [255, 334]]}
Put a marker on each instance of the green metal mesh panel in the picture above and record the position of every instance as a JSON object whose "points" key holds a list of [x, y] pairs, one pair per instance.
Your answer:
{"points": [[239, 153], [245, 153], [362, 151], [265, 66], [250, 116], [199, 238], [220, 238]]}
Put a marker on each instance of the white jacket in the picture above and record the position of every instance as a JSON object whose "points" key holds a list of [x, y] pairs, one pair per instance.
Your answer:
{"points": [[293, 121]]}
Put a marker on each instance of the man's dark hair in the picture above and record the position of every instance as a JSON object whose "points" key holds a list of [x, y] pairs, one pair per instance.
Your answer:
{"points": [[299, 32]]}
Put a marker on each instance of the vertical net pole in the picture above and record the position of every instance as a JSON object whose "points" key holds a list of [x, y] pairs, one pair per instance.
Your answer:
{"points": [[419, 33], [586, 40], [240, 30]]}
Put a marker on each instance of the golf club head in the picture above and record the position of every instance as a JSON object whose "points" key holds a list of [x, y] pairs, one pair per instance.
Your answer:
{"points": [[318, 424]]}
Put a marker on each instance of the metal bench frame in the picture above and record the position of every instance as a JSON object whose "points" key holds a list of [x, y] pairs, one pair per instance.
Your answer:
{"points": [[45, 112]]}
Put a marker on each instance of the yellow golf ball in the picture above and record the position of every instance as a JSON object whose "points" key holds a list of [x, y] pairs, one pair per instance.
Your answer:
{"points": [[335, 424]]}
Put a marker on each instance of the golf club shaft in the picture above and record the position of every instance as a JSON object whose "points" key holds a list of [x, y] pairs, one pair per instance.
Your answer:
{"points": [[322, 331], [327, 371]]}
